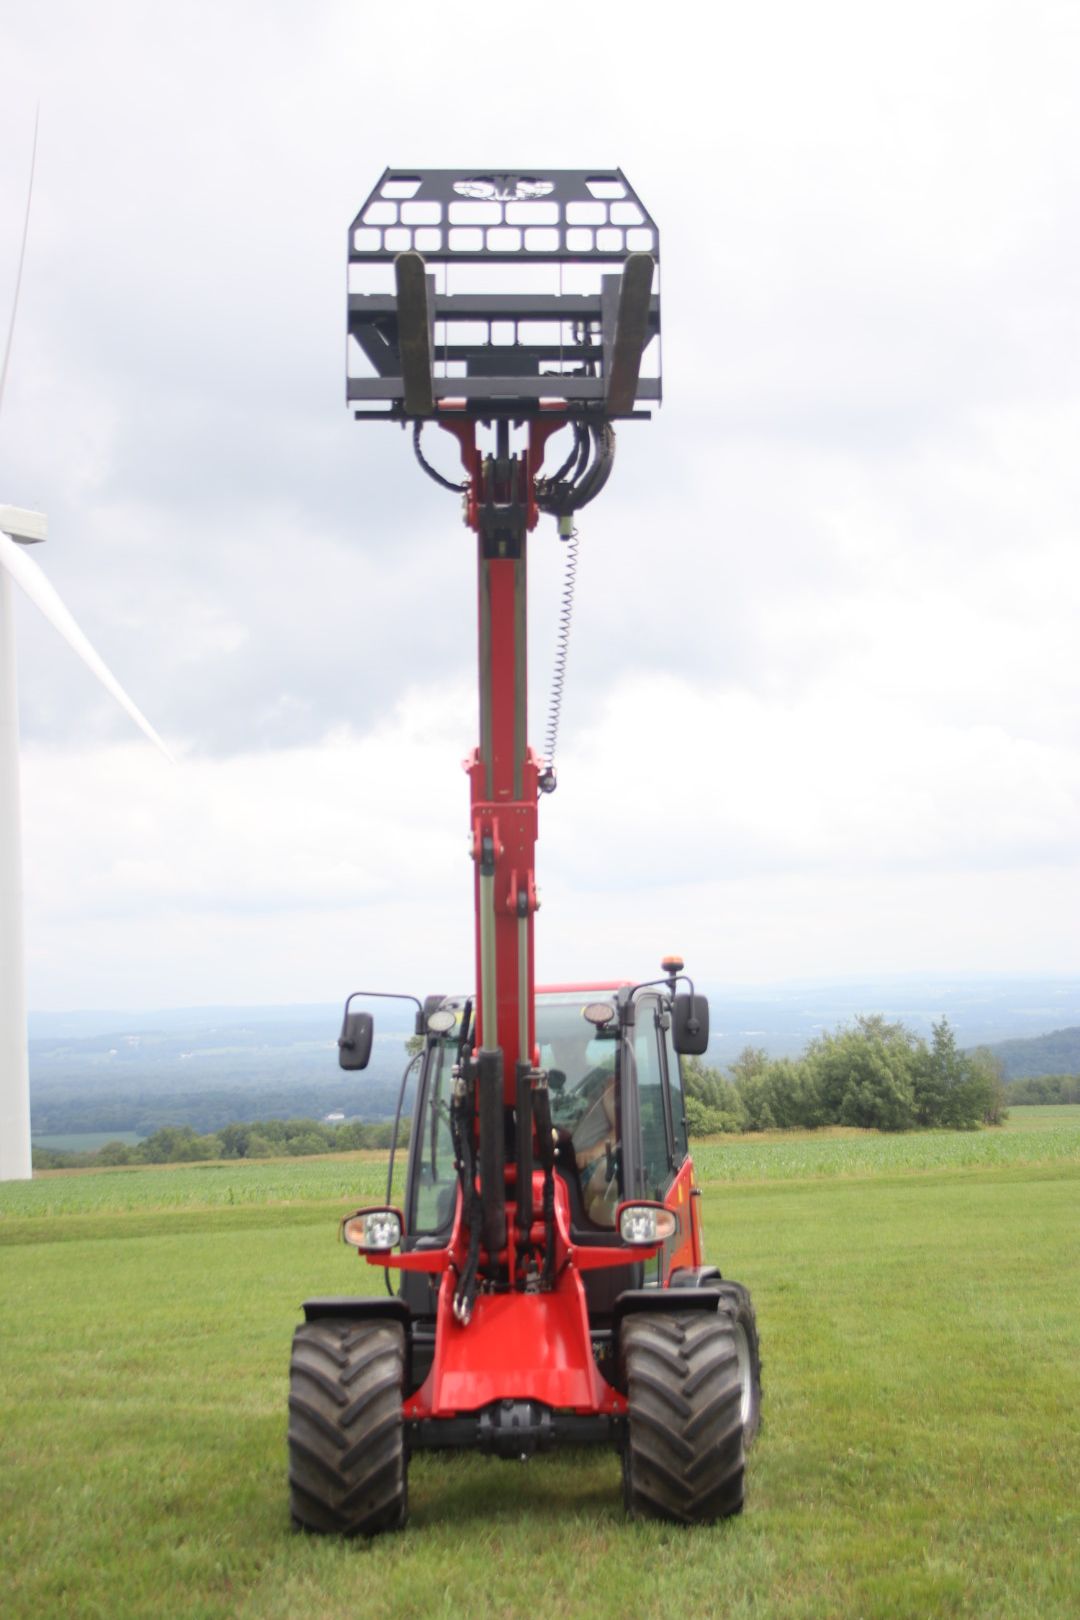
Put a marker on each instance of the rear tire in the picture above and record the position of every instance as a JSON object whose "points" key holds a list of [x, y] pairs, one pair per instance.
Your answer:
{"points": [[683, 1457], [347, 1465]]}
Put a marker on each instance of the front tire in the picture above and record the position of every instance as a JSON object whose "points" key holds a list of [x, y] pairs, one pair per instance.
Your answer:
{"points": [[684, 1457], [347, 1464], [735, 1299]]}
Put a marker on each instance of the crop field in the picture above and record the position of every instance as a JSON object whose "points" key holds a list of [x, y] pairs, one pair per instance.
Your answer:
{"points": [[919, 1303], [85, 1141]]}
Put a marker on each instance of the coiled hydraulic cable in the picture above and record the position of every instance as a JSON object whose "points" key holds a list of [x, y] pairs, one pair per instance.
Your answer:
{"points": [[562, 649], [578, 481]]}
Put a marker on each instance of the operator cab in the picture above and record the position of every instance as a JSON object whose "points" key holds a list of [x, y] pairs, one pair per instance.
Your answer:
{"points": [[617, 1113]]}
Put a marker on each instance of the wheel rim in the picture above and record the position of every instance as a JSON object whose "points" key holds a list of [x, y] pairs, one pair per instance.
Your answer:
{"points": [[746, 1386]]}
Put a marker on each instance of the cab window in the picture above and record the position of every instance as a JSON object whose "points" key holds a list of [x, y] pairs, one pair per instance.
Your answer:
{"points": [[436, 1182], [583, 1088]]}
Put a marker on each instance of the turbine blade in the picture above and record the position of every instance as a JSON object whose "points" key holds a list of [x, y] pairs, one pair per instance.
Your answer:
{"points": [[29, 576], [22, 257]]}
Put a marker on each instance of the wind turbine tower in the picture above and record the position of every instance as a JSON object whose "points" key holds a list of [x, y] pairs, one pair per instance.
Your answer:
{"points": [[18, 529], [24, 527]]}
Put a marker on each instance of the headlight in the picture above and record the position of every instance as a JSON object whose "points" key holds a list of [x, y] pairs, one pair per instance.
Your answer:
{"points": [[373, 1230], [646, 1223]]}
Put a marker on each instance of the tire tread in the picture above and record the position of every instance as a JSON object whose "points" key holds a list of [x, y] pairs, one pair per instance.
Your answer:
{"points": [[347, 1462], [684, 1457]]}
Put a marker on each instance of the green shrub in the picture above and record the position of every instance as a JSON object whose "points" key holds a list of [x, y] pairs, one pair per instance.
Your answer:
{"points": [[865, 1074], [701, 1120], [710, 1102], [1042, 1089], [782, 1095]]}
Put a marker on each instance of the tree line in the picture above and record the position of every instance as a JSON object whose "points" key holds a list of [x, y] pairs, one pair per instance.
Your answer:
{"points": [[261, 1139], [872, 1073], [143, 1105], [1045, 1088]]}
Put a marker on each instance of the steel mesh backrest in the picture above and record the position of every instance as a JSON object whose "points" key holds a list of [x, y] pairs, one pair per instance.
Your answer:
{"points": [[523, 275]]}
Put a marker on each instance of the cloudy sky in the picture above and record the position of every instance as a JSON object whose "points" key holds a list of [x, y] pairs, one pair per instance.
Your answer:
{"points": [[822, 710]]}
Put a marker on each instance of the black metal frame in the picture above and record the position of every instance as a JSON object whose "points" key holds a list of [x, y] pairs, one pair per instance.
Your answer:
{"points": [[465, 254]]}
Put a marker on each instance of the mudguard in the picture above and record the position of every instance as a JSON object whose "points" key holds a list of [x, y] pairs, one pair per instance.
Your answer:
{"points": [[369, 1308]]}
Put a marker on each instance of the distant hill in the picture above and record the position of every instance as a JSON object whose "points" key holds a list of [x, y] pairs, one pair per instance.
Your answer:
{"points": [[121, 1072], [981, 1009], [205, 1067], [1056, 1053]]}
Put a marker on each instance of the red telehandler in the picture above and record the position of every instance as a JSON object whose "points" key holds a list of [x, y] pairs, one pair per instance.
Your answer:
{"points": [[552, 1284]]}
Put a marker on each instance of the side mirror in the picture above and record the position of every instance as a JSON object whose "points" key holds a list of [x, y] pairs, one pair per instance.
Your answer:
{"points": [[690, 1025], [354, 1042]]}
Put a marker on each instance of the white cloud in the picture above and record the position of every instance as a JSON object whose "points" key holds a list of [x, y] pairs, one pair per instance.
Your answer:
{"points": [[830, 785], [823, 653], [261, 876], [771, 838]]}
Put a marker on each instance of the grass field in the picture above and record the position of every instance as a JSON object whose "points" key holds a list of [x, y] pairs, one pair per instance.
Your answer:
{"points": [[919, 1301]]}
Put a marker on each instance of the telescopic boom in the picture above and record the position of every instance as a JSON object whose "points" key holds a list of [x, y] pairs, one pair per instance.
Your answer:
{"points": [[512, 306]]}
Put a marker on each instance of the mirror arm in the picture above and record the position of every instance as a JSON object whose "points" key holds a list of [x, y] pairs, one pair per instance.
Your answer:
{"points": [[389, 995], [626, 1009]]}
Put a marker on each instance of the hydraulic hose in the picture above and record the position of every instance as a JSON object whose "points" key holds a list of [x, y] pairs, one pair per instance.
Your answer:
{"points": [[546, 1148], [593, 459], [462, 1121]]}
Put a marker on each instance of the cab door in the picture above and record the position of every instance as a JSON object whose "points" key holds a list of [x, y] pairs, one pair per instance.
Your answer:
{"points": [[663, 1171]]}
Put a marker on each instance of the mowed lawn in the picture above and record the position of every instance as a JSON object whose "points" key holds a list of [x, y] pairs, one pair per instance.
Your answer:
{"points": [[919, 1303]]}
